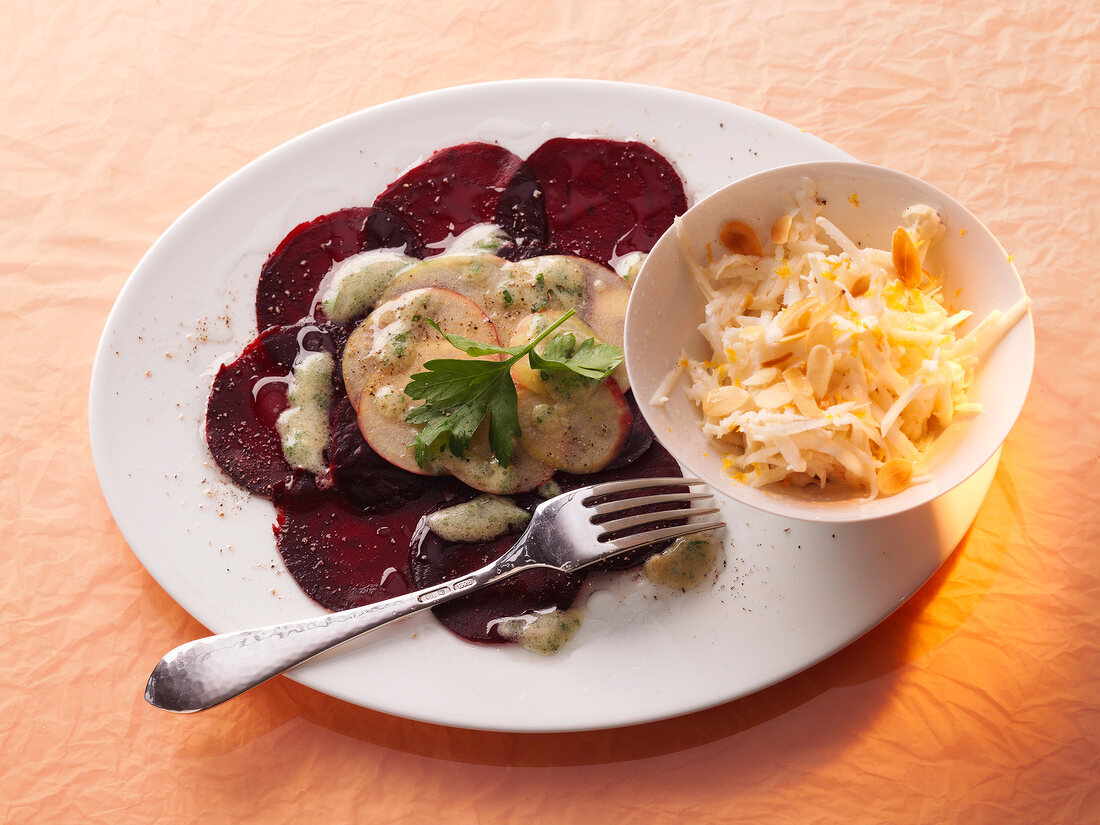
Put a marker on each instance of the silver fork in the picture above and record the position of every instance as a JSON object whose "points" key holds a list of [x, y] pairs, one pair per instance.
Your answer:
{"points": [[561, 536]]}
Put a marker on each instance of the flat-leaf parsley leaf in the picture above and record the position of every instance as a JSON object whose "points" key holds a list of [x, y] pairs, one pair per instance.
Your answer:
{"points": [[459, 392]]}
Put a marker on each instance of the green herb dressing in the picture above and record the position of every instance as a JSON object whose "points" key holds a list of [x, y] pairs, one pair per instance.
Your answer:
{"points": [[481, 519], [685, 564], [545, 633], [304, 426]]}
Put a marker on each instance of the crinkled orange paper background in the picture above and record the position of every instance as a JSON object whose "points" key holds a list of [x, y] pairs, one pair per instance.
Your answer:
{"points": [[975, 703]]}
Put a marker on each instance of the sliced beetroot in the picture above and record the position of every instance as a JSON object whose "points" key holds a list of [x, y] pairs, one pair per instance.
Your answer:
{"points": [[240, 417], [245, 401], [367, 482], [386, 230], [605, 198], [461, 186], [474, 617], [341, 559], [290, 278], [292, 273], [521, 214]]}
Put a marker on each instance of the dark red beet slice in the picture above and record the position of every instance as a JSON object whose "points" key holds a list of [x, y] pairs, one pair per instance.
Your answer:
{"points": [[521, 215], [473, 617], [458, 187], [605, 198], [387, 231], [240, 420], [342, 559], [367, 482], [293, 272], [243, 407]]}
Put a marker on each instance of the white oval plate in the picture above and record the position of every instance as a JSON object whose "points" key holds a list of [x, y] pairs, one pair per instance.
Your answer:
{"points": [[790, 594]]}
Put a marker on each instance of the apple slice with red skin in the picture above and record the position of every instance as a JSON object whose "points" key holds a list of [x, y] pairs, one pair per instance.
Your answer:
{"points": [[387, 348], [523, 374], [383, 353], [605, 298], [485, 279], [579, 431], [478, 468], [599, 296], [568, 421], [509, 291]]}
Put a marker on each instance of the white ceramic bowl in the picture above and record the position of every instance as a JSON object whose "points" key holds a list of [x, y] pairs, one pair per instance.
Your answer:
{"points": [[666, 309]]}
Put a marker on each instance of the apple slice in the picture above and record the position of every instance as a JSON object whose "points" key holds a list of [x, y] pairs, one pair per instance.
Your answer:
{"points": [[531, 326], [476, 276], [390, 339], [605, 298], [387, 348], [485, 279], [478, 467], [561, 282], [597, 293], [578, 426]]}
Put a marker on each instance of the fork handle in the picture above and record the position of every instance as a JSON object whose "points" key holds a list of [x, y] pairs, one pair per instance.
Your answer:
{"points": [[207, 672]]}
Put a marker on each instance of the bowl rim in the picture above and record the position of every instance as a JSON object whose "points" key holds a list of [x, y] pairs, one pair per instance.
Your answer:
{"points": [[770, 499]]}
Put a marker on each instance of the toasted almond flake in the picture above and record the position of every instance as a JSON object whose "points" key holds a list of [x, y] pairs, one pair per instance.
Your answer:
{"points": [[894, 476], [740, 238], [906, 260], [781, 229], [797, 315], [761, 378], [826, 311], [860, 285], [801, 392], [819, 369], [821, 334], [723, 401], [774, 397], [797, 335], [775, 362]]}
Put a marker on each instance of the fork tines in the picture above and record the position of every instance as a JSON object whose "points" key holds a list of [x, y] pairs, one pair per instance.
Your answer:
{"points": [[633, 540], [610, 488]]}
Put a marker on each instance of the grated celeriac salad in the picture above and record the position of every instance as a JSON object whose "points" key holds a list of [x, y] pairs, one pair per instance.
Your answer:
{"points": [[830, 362]]}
